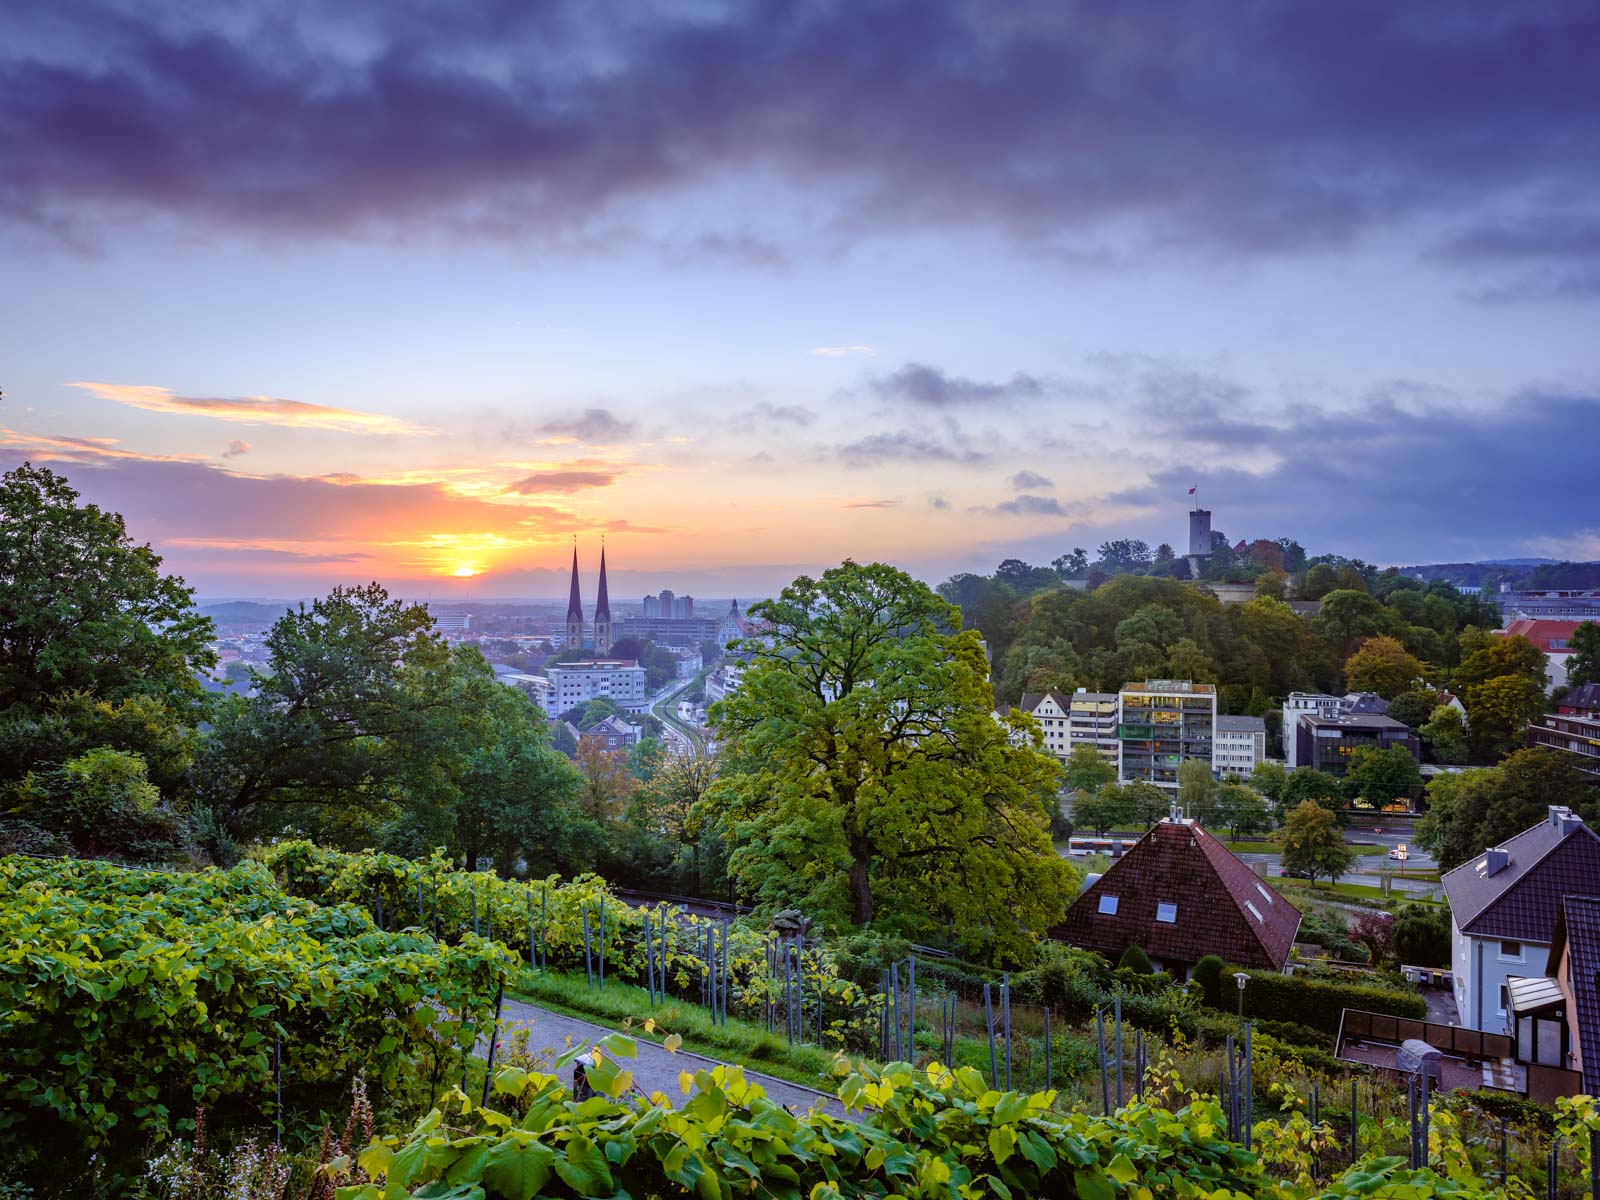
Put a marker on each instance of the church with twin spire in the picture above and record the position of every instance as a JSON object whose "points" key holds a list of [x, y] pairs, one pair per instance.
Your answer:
{"points": [[603, 637]]}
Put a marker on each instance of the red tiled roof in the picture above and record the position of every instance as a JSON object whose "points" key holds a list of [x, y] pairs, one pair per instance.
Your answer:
{"points": [[1223, 908], [1541, 632]]}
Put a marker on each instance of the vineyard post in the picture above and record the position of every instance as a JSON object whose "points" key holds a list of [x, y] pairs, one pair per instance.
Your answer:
{"points": [[800, 987], [894, 984], [1233, 1091], [725, 973], [1249, 1085], [1047, 1047], [532, 952], [1550, 1170], [1138, 1064], [1594, 1164], [436, 907], [1354, 1117], [544, 928], [602, 943], [1118, 1003], [911, 1032], [1005, 1008], [1427, 1118], [488, 914], [1316, 1105], [1504, 1161], [588, 959], [988, 1026], [494, 1037], [1100, 1034], [474, 907], [419, 902], [649, 963], [1411, 1121]]}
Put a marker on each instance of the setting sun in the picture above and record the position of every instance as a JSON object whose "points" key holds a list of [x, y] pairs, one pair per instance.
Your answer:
{"points": [[464, 572]]}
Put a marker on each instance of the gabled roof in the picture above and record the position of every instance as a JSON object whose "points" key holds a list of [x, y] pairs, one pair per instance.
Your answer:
{"points": [[1522, 899], [1032, 700], [1222, 907], [1578, 929], [1586, 697]]}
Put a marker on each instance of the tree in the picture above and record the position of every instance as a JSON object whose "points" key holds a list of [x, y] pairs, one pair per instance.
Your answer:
{"points": [[1380, 777], [1197, 789], [1500, 709], [1496, 656], [1074, 565], [607, 784], [1241, 810], [1413, 708], [1375, 931], [1086, 771], [1382, 665], [1124, 554], [1136, 960], [1583, 664], [1473, 810], [1164, 553], [1147, 803], [1102, 810], [1270, 779], [102, 803], [867, 779], [1347, 616], [1313, 844], [1422, 936], [1307, 783], [1444, 736]]}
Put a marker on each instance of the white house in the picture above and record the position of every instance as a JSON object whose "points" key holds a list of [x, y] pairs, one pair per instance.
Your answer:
{"points": [[1504, 905], [1238, 744], [575, 683]]}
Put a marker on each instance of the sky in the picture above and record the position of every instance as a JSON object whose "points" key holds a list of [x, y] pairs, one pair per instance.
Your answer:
{"points": [[423, 291]]}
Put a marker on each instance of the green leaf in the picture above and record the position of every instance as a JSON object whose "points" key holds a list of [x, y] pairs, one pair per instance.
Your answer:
{"points": [[518, 1167], [1013, 1107], [584, 1168], [1122, 1170], [1092, 1185]]}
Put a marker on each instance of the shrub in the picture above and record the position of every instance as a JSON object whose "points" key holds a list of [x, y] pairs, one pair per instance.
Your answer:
{"points": [[134, 998], [1135, 959], [1319, 1004], [1422, 936], [1208, 974]]}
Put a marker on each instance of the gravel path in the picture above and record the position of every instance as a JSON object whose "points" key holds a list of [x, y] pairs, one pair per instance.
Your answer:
{"points": [[654, 1070]]}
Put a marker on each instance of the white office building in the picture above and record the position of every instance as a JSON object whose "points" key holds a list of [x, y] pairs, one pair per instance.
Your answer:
{"points": [[1237, 746], [577, 683], [1072, 719]]}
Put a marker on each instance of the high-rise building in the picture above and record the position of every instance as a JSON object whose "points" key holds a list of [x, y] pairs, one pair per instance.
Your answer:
{"points": [[666, 597], [1162, 724], [602, 610], [574, 609], [652, 607], [688, 608]]}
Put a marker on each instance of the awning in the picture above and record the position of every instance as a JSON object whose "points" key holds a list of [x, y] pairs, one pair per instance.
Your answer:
{"points": [[1533, 993]]}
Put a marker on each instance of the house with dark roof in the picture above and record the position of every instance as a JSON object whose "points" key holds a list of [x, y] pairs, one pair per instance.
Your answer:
{"points": [[1576, 955], [1573, 729], [1503, 910], [1179, 894]]}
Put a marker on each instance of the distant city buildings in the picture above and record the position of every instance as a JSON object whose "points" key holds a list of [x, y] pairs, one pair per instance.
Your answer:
{"points": [[1162, 724], [1574, 729], [1295, 705], [1327, 742], [1552, 636], [1240, 744], [575, 683], [1080, 718]]}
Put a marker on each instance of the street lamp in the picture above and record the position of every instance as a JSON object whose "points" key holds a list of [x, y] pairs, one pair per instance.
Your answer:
{"points": [[1241, 979]]}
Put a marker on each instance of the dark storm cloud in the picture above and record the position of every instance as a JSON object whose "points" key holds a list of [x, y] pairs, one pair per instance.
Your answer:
{"points": [[1406, 480], [878, 449], [1256, 127], [1031, 506], [933, 387], [1030, 481]]}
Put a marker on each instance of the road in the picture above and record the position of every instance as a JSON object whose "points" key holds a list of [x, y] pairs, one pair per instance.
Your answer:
{"points": [[664, 706], [655, 1069]]}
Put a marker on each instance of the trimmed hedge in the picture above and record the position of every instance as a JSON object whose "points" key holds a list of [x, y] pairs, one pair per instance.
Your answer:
{"points": [[1274, 997]]}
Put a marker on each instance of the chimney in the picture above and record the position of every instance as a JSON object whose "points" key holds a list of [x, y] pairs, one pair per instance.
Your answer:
{"points": [[1564, 819], [1493, 862]]}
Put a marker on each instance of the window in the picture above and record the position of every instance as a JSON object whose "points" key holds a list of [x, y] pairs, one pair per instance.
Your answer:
{"points": [[1254, 911], [1108, 905], [1265, 895], [1167, 912], [1505, 999], [1510, 952]]}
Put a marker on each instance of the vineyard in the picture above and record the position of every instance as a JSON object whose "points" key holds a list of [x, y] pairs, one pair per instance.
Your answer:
{"points": [[164, 1017]]}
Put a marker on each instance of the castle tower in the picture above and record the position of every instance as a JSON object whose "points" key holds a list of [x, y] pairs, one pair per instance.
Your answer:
{"points": [[602, 610], [574, 609]]}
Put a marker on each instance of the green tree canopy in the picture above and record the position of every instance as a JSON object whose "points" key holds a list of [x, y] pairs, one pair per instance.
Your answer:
{"points": [[1382, 665], [1086, 771], [866, 779], [1474, 810], [1313, 843], [1380, 777], [1583, 664], [1241, 810], [1444, 735]]}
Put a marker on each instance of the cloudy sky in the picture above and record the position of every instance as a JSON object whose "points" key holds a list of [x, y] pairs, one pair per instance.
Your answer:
{"points": [[419, 290]]}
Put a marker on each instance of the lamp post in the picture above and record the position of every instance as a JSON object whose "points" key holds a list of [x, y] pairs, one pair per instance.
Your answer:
{"points": [[1240, 978]]}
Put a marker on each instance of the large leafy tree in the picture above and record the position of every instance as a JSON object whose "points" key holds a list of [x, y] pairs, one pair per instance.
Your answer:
{"points": [[83, 609], [1312, 843], [866, 777], [1380, 777], [1583, 664], [1473, 810], [1382, 665]]}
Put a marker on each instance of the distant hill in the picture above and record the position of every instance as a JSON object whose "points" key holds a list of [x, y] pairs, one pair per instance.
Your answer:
{"points": [[1535, 573], [243, 612]]}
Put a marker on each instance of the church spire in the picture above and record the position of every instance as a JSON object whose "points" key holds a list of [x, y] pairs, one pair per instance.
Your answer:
{"points": [[574, 607], [602, 608]]}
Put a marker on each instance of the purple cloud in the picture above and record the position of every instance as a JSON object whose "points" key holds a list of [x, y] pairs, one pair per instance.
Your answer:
{"points": [[1210, 125]]}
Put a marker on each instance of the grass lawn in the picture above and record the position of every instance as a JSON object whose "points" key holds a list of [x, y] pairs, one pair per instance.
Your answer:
{"points": [[1352, 891], [738, 1041], [1273, 848]]}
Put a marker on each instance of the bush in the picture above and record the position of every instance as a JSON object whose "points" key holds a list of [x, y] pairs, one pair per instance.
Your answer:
{"points": [[135, 997], [1208, 974], [1274, 997], [1135, 959], [1422, 936]]}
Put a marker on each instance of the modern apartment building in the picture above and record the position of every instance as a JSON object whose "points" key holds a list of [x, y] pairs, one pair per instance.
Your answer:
{"points": [[1238, 745], [1293, 706], [1072, 719], [1574, 728], [576, 683], [1327, 743], [1163, 723]]}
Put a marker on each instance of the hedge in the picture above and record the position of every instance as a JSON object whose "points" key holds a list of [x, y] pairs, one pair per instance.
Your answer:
{"points": [[1274, 997]]}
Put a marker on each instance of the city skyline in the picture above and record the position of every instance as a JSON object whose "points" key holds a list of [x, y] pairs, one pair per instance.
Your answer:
{"points": [[413, 293]]}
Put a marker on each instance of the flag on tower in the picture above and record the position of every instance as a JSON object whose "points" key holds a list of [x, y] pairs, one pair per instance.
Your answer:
{"points": [[1191, 490]]}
